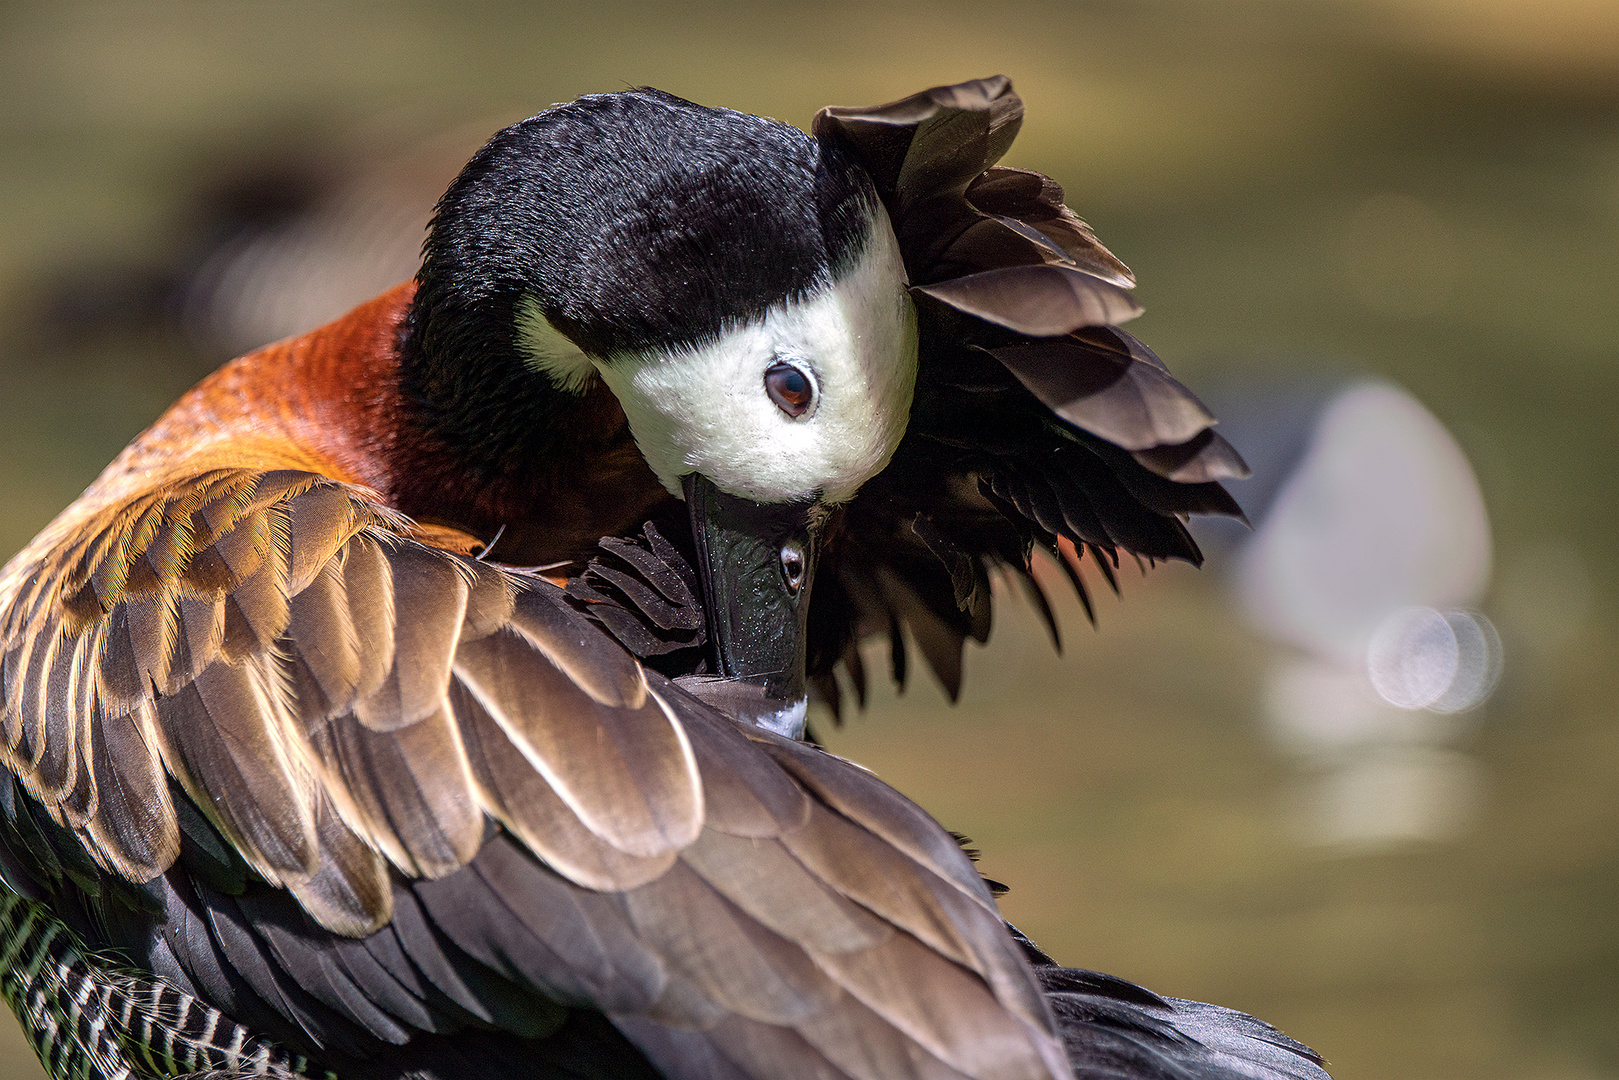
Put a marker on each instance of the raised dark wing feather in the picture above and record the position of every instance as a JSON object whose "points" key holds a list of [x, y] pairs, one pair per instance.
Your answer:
{"points": [[487, 812], [1036, 422]]}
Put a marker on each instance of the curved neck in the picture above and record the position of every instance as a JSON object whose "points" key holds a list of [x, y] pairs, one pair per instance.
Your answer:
{"points": [[490, 445], [488, 449]]}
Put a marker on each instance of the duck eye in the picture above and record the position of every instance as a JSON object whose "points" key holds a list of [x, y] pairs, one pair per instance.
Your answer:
{"points": [[790, 388], [792, 567]]}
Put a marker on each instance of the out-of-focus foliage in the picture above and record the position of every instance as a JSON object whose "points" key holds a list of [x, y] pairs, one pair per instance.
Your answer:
{"points": [[1422, 190]]}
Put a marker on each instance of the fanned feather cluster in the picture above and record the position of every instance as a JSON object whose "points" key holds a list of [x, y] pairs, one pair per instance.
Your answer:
{"points": [[644, 592], [1036, 420]]}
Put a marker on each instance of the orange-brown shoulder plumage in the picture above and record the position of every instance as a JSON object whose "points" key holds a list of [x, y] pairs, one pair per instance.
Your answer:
{"points": [[333, 402], [325, 402]]}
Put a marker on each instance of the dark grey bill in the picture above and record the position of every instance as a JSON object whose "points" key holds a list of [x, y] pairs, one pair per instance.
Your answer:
{"points": [[757, 562]]}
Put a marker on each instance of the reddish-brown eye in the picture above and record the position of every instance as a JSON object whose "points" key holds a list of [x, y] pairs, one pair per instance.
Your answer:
{"points": [[790, 388]]}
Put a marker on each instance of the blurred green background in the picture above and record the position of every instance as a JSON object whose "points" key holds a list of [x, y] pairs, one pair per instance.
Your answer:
{"points": [[1428, 191]]}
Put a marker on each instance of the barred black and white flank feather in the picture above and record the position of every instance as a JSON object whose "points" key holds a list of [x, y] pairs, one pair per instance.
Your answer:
{"points": [[88, 1020]]}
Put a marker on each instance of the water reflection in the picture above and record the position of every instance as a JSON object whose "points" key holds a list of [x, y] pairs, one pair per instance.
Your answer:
{"points": [[1545, 598], [1363, 566], [1381, 512], [1399, 256], [1387, 795]]}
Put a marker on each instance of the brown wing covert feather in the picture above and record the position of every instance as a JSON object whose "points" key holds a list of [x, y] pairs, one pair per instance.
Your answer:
{"points": [[829, 940], [284, 649], [349, 707]]}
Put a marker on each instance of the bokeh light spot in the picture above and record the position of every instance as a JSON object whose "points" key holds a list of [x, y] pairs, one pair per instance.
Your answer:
{"points": [[1422, 658]]}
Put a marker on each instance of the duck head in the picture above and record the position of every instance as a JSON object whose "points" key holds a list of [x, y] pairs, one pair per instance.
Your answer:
{"points": [[737, 285]]}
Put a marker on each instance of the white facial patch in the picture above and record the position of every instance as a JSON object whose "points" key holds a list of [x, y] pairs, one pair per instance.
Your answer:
{"points": [[706, 410], [546, 351]]}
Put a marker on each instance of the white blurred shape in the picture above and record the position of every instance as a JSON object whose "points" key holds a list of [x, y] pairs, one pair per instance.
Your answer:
{"points": [[1420, 658], [1318, 708], [1413, 657], [1392, 794], [1366, 561], [1478, 663], [1383, 513]]}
